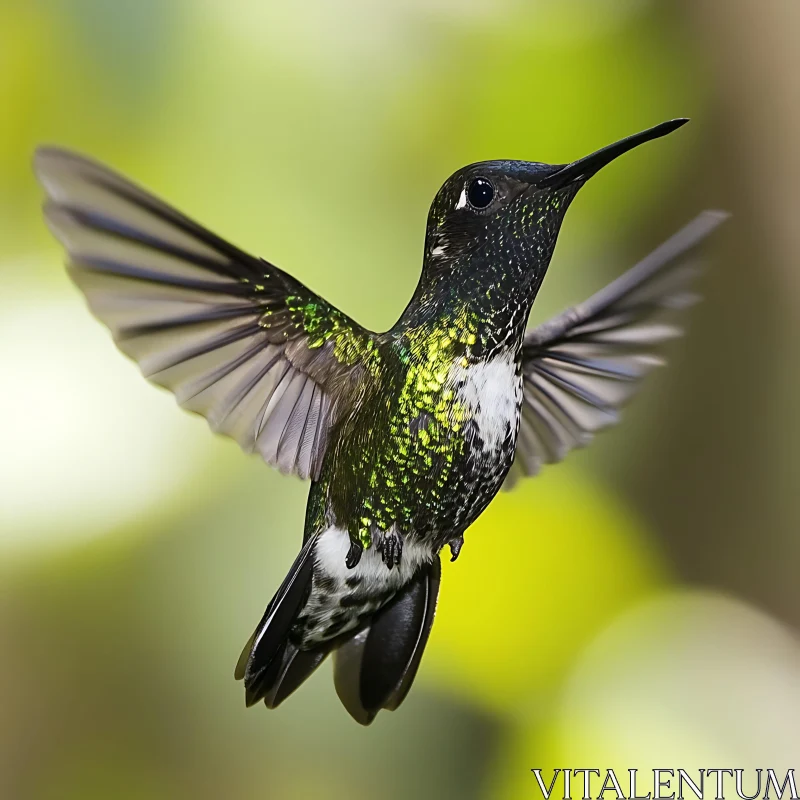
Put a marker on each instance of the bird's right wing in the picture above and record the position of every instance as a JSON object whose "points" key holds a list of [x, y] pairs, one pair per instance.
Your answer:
{"points": [[580, 367], [237, 340]]}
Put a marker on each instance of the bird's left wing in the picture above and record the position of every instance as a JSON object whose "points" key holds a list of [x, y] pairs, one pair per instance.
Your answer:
{"points": [[236, 339], [580, 367]]}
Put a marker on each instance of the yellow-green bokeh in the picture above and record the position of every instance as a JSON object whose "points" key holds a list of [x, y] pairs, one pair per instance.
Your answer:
{"points": [[137, 551], [545, 568]]}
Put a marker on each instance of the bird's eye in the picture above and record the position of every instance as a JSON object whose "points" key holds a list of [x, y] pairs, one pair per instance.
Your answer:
{"points": [[480, 193]]}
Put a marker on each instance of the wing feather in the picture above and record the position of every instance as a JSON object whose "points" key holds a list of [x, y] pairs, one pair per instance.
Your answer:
{"points": [[581, 367], [223, 330]]}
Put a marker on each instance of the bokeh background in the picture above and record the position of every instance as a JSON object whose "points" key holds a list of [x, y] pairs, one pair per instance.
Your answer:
{"points": [[636, 606]]}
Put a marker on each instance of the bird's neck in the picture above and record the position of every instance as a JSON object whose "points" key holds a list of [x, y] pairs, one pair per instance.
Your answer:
{"points": [[476, 325], [482, 317]]}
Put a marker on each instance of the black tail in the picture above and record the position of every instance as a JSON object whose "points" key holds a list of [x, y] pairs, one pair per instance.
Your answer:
{"points": [[271, 666], [374, 667]]}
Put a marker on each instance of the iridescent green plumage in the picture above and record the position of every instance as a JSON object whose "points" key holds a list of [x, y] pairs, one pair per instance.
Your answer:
{"points": [[405, 438], [323, 323]]}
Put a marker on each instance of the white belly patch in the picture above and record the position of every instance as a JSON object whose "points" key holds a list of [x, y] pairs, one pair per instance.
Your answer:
{"points": [[339, 595], [492, 393]]}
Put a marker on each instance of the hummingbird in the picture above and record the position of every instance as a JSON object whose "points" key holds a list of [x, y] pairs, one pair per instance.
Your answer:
{"points": [[405, 436]]}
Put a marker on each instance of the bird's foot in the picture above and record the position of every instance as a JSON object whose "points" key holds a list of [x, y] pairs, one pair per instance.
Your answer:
{"points": [[455, 546], [390, 546], [354, 554]]}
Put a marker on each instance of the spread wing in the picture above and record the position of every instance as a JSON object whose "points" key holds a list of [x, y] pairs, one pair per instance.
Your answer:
{"points": [[580, 367], [235, 338]]}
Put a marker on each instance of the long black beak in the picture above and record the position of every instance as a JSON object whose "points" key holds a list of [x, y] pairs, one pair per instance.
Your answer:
{"points": [[584, 168]]}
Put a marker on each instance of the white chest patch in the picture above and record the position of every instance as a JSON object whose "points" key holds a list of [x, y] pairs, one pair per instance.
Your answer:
{"points": [[492, 392]]}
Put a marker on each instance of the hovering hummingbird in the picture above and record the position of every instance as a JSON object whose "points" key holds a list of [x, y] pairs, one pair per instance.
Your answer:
{"points": [[406, 435]]}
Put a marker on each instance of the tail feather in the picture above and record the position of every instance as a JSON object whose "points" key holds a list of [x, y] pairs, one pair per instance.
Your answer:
{"points": [[375, 668], [347, 662], [260, 664], [258, 685], [431, 597], [296, 666], [244, 657]]}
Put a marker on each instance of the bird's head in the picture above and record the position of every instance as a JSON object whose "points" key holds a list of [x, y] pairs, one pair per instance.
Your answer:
{"points": [[498, 220]]}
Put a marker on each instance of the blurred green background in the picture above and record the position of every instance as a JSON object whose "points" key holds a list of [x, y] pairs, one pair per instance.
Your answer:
{"points": [[634, 607]]}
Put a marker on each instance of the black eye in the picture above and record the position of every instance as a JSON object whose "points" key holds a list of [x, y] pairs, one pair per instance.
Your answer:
{"points": [[480, 193]]}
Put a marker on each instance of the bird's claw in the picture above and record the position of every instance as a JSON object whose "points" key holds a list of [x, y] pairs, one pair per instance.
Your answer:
{"points": [[354, 554], [390, 546], [455, 546]]}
